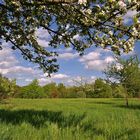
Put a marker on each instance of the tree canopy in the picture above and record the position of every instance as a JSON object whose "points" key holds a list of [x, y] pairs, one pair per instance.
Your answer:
{"points": [[97, 22], [127, 73]]}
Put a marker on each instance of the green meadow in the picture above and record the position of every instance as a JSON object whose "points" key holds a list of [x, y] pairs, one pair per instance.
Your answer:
{"points": [[69, 119]]}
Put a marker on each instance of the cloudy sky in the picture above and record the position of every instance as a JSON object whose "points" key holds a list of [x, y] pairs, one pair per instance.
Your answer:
{"points": [[72, 66]]}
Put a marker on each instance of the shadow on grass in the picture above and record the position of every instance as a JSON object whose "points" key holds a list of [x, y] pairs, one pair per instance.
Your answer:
{"points": [[39, 118], [129, 107], [104, 103], [119, 105], [100, 102], [43, 118]]}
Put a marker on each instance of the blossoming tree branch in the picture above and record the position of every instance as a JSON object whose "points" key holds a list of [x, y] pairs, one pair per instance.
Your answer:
{"points": [[96, 23]]}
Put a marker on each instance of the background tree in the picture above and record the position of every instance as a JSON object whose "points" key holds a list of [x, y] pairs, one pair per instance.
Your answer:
{"points": [[12, 87], [72, 92], [127, 73], [84, 87], [7, 87], [102, 89], [62, 90], [117, 90], [51, 90], [33, 90], [98, 23]]}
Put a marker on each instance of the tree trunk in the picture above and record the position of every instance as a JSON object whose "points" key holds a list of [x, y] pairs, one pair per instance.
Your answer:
{"points": [[126, 99], [126, 96]]}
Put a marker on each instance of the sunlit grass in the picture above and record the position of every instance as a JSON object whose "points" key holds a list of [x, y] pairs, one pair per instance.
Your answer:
{"points": [[69, 119]]}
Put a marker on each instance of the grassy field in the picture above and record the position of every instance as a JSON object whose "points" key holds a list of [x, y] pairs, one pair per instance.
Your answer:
{"points": [[69, 119]]}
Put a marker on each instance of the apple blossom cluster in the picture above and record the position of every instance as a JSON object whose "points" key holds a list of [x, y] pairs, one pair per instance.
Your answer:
{"points": [[122, 3], [96, 22], [82, 2], [110, 29]]}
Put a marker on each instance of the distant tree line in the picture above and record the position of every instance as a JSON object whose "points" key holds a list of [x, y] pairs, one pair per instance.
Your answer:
{"points": [[99, 89], [53, 90], [123, 81]]}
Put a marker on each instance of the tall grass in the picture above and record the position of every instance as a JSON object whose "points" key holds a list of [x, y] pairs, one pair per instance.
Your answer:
{"points": [[69, 119]]}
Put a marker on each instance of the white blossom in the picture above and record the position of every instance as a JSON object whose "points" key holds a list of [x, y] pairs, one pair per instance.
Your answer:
{"points": [[121, 4], [82, 2], [110, 33], [89, 11]]}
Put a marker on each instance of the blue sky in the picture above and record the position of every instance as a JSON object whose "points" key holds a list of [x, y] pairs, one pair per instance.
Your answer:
{"points": [[72, 66]]}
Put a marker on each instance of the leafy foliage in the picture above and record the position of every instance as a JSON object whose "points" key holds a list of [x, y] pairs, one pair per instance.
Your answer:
{"points": [[98, 89], [102, 89], [98, 23], [127, 73], [7, 87], [118, 91], [51, 90], [33, 90]]}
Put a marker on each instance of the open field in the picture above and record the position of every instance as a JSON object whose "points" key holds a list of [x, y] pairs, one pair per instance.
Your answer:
{"points": [[69, 119]]}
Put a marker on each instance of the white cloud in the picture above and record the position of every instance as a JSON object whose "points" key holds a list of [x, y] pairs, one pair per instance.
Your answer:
{"points": [[6, 45], [6, 62], [6, 55], [28, 80], [43, 37], [130, 13], [67, 55], [97, 60], [17, 69], [42, 33], [128, 16], [99, 64], [59, 76], [93, 78], [3, 71], [90, 56], [77, 37], [43, 43], [109, 59], [7, 59], [68, 49], [64, 50], [95, 65], [10, 65], [43, 79], [6, 51]]}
